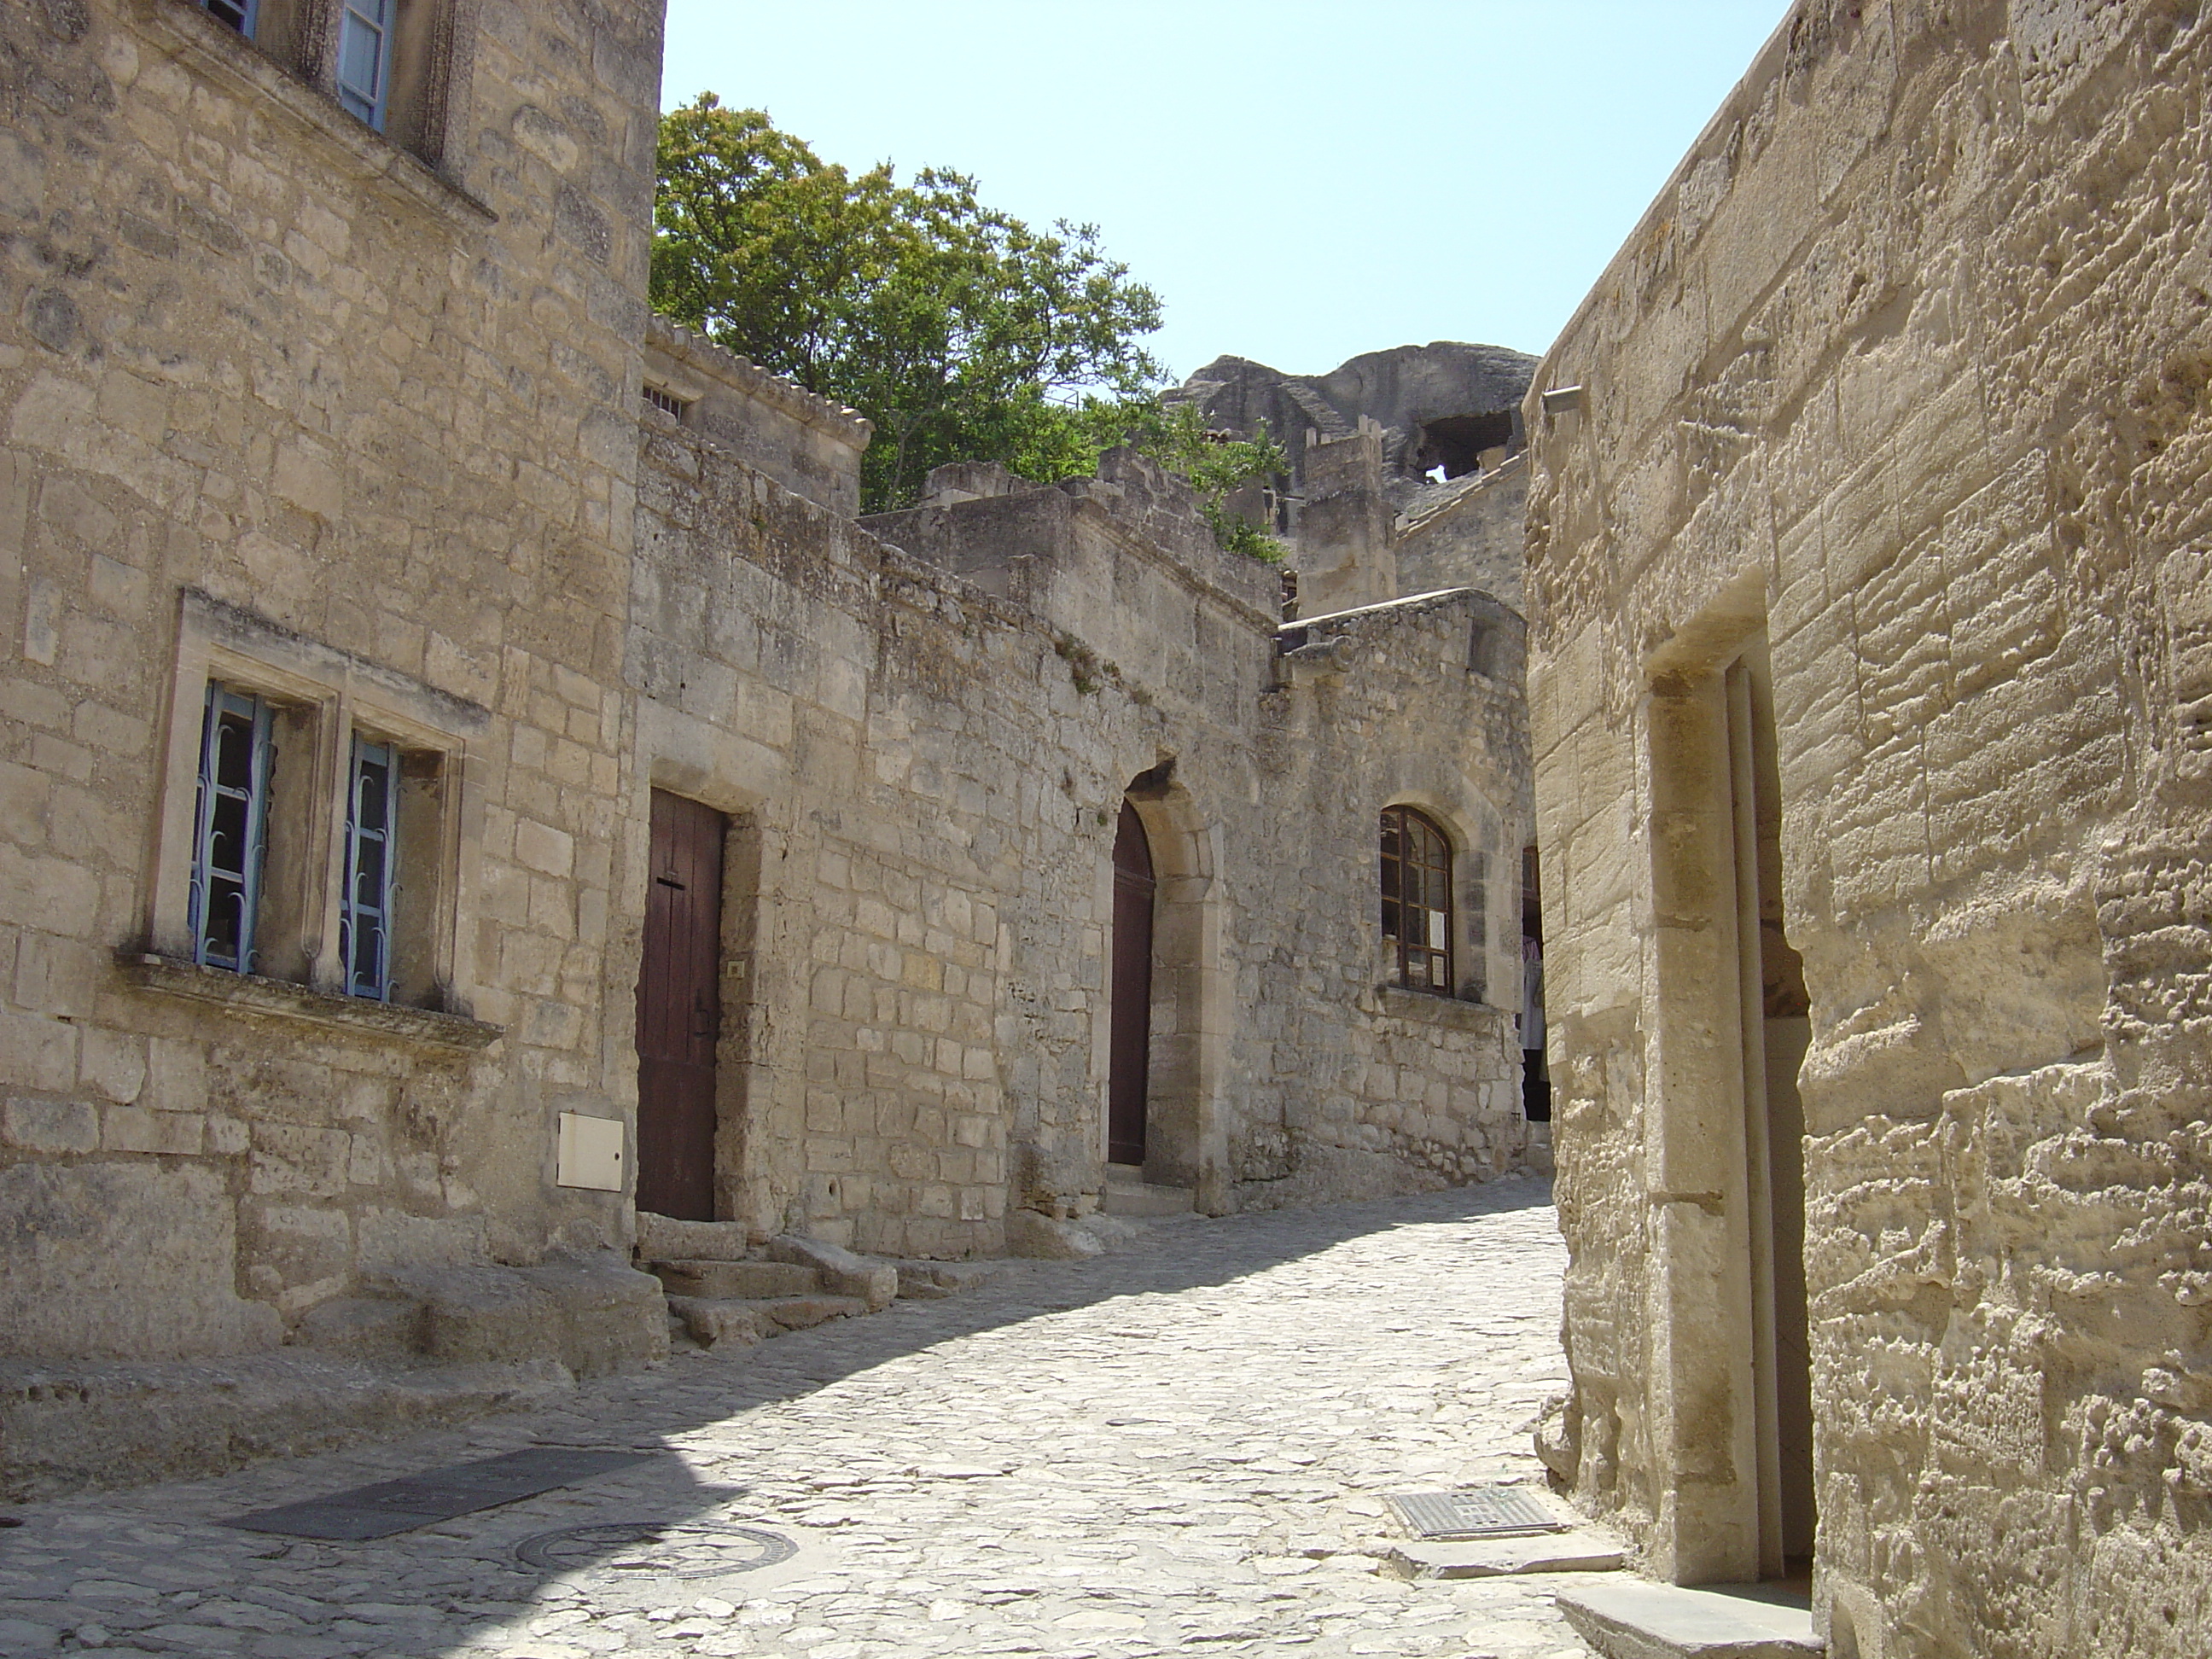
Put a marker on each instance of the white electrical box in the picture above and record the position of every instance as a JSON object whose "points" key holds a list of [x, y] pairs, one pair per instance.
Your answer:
{"points": [[590, 1152]]}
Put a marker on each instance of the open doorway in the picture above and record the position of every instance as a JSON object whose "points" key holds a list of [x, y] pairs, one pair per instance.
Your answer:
{"points": [[1775, 1029], [1129, 1037]]}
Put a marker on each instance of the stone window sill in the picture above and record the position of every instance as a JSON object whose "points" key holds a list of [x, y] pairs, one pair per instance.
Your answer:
{"points": [[1438, 1008], [253, 995], [233, 61]]}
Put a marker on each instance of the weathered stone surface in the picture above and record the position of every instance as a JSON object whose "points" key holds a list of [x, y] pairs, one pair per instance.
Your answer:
{"points": [[713, 1323], [1868, 677]]}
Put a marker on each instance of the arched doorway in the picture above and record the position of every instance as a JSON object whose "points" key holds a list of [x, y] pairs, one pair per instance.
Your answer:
{"points": [[1129, 1038]]}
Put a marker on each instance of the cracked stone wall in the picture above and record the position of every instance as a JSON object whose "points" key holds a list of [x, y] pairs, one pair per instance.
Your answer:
{"points": [[1904, 377]]}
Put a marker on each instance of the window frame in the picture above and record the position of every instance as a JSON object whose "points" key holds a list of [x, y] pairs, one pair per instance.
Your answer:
{"points": [[322, 704], [1390, 884], [221, 701]]}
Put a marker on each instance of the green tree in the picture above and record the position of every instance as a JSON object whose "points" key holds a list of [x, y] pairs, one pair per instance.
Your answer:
{"points": [[959, 331]]}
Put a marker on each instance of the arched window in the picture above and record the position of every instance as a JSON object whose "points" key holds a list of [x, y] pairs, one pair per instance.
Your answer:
{"points": [[1416, 905]]}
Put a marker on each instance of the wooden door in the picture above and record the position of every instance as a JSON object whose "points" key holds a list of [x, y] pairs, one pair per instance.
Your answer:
{"points": [[679, 1010], [1130, 1023]]}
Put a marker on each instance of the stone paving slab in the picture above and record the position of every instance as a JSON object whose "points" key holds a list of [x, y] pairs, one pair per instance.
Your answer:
{"points": [[1180, 1449]]}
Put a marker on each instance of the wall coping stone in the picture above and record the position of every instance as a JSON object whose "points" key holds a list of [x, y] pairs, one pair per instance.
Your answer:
{"points": [[254, 995]]}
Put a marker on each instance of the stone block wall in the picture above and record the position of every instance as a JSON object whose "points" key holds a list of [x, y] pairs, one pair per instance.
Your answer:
{"points": [[1891, 442], [924, 735], [288, 407], [1468, 532]]}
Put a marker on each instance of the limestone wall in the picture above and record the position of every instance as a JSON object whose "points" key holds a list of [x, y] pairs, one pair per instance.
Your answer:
{"points": [[934, 741], [285, 407], [1468, 532], [1900, 386]]}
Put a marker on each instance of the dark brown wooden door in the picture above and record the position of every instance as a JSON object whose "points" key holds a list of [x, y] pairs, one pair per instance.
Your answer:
{"points": [[679, 1013], [1130, 1024]]}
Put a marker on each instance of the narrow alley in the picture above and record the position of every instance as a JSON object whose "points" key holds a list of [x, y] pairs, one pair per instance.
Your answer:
{"points": [[1183, 1449]]}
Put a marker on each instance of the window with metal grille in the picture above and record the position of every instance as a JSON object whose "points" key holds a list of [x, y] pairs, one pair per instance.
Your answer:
{"points": [[664, 400], [371, 862], [231, 820], [1416, 903], [365, 58], [238, 13]]}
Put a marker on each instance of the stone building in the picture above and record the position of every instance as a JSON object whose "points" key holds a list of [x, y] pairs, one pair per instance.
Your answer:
{"points": [[468, 778], [1868, 564]]}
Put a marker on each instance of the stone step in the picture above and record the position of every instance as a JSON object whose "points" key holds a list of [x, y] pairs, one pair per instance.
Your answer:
{"points": [[1496, 1558], [728, 1280], [716, 1321], [1629, 1620], [1128, 1193], [665, 1239]]}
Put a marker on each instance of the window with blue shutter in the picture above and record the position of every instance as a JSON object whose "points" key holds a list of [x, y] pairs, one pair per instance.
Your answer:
{"points": [[365, 918], [231, 822], [365, 58]]}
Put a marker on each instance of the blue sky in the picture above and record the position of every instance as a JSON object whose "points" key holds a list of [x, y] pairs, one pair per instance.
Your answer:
{"points": [[1300, 181]]}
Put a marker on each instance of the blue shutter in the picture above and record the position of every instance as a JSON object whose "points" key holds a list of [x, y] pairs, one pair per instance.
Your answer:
{"points": [[230, 825], [365, 58], [241, 15], [371, 846]]}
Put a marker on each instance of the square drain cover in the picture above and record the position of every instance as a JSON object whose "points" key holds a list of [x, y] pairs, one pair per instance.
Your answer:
{"points": [[1477, 1512], [392, 1506]]}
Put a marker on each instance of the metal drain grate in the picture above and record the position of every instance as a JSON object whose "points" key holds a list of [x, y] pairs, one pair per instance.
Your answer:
{"points": [[1476, 1512], [391, 1506]]}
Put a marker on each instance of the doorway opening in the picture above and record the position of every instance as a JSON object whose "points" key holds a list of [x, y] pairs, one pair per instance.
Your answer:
{"points": [[1775, 1028], [680, 1009], [1129, 1037]]}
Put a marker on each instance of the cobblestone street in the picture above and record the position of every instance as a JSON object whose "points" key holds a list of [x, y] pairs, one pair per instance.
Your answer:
{"points": [[1183, 1449]]}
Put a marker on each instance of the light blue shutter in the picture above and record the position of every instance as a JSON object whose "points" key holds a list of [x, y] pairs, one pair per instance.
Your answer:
{"points": [[365, 58], [371, 846]]}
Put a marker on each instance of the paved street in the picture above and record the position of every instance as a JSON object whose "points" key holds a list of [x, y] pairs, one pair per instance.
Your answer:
{"points": [[1183, 1449]]}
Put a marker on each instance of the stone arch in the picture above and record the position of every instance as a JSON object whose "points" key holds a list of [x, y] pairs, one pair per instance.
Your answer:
{"points": [[1186, 1137]]}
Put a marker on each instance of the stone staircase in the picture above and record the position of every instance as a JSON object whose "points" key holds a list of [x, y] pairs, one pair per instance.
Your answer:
{"points": [[722, 1290]]}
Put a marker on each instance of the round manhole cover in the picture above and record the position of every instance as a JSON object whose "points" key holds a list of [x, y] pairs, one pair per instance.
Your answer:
{"points": [[657, 1549]]}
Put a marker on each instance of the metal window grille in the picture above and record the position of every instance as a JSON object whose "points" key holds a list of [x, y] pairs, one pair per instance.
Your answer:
{"points": [[371, 856], [230, 820], [241, 15], [365, 58], [1417, 904], [666, 401]]}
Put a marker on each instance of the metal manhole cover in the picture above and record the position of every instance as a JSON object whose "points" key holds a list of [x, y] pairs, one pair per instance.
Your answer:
{"points": [[1476, 1512], [656, 1549]]}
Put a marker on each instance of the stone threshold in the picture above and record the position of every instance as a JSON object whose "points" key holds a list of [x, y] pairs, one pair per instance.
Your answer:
{"points": [[1636, 1619]]}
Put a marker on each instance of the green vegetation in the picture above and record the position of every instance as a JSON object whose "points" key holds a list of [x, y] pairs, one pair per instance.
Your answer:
{"points": [[960, 331]]}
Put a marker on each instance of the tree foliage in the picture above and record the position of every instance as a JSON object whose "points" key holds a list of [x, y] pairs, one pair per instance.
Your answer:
{"points": [[960, 331]]}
